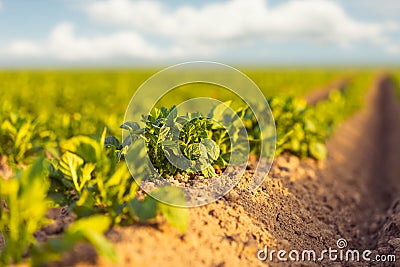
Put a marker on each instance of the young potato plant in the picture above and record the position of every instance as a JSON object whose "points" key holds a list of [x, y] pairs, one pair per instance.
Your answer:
{"points": [[21, 137], [193, 128], [297, 128], [303, 129], [90, 169], [92, 174], [98, 188], [22, 211], [201, 138], [89, 230]]}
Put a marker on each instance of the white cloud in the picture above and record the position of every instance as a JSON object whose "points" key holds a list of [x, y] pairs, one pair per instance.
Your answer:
{"points": [[63, 43], [207, 30], [236, 21]]}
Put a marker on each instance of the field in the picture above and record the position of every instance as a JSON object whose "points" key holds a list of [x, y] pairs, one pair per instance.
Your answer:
{"points": [[67, 197]]}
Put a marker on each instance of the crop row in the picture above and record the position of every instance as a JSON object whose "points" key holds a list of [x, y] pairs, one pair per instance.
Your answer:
{"points": [[59, 157]]}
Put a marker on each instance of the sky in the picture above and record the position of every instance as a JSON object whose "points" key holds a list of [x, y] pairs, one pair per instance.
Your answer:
{"points": [[153, 32]]}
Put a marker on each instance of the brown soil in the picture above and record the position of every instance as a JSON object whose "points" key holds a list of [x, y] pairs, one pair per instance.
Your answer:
{"points": [[5, 170], [60, 218], [354, 194]]}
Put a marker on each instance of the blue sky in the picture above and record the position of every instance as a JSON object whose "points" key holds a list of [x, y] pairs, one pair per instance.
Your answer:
{"points": [[152, 32]]}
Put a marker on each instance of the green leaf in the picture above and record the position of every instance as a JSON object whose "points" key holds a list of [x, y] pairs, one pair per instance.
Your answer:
{"points": [[211, 147], [70, 164], [217, 112], [208, 172], [143, 210], [194, 151], [90, 229], [25, 195], [103, 136], [86, 173], [318, 150], [130, 126], [163, 132], [88, 148], [102, 245], [173, 113], [112, 141], [178, 217]]}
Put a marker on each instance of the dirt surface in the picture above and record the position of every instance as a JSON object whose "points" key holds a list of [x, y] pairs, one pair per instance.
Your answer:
{"points": [[302, 205], [60, 218], [5, 170]]}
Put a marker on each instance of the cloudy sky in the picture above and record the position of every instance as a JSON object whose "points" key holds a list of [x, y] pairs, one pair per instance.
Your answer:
{"points": [[149, 32]]}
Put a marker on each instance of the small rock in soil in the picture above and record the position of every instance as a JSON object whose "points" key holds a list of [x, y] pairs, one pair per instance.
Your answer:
{"points": [[395, 243], [287, 163]]}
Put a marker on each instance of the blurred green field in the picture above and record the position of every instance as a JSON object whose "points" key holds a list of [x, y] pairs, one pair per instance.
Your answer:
{"points": [[83, 101], [55, 105], [396, 80]]}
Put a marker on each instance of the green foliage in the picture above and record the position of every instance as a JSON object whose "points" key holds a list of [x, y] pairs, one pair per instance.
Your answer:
{"points": [[298, 129], [91, 170], [195, 140], [88, 167], [293, 82], [175, 215], [142, 210], [21, 136], [89, 230], [57, 113], [22, 211], [303, 130], [201, 139], [148, 208], [102, 184], [395, 79]]}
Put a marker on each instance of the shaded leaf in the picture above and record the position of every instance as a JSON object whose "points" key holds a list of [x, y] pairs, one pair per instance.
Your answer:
{"points": [[143, 210], [178, 217]]}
